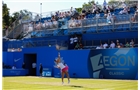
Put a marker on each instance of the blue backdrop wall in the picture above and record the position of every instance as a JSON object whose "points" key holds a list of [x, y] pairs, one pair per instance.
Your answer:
{"points": [[109, 63]]}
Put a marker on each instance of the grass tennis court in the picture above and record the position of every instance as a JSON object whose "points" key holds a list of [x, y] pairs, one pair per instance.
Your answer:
{"points": [[37, 83]]}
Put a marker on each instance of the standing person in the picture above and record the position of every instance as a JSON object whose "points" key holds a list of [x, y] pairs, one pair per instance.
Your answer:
{"points": [[23, 65], [34, 69], [75, 40], [40, 69], [71, 43], [64, 69]]}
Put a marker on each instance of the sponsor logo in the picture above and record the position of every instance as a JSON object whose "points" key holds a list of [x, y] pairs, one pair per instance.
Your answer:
{"points": [[17, 59], [113, 64]]}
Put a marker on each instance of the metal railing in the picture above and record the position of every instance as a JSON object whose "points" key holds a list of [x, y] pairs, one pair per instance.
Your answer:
{"points": [[35, 43], [122, 22]]}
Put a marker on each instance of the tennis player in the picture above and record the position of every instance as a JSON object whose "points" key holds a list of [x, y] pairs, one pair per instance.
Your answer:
{"points": [[64, 69]]}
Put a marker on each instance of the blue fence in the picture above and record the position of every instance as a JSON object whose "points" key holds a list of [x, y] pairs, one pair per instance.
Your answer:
{"points": [[107, 63]]}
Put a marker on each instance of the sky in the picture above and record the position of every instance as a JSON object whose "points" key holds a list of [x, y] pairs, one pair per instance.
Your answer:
{"points": [[47, 5]]}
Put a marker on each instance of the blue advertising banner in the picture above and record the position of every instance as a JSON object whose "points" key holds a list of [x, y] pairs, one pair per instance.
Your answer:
{"points": [[113, 63], [47, 72], [101, 63], [15, 72]]}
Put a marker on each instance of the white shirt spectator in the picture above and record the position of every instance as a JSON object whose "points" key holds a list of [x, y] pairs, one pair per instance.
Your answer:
{"points": [[109, 16], [94, 9], [37, 18], [97, 15], [55, 22], [123, 5], [72, 23], [33, 65], [75, 39], [112, 45], [71, 40], [50, 24], [105, 45], [132, 43], [104, 4], [13, 50], [13, 67]]}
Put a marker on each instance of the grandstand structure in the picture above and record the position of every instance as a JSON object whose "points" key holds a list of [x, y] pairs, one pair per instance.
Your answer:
{"points": [[97, 28], [32, 40]]}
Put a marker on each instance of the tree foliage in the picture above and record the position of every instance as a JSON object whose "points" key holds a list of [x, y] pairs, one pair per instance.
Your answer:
{"points": [[111, 2], [79, 10], [88, 5], [5, 16], [25, 14]]}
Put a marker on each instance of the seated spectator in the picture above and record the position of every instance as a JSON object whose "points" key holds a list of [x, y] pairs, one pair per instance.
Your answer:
{"points": [[109, 18], [52, 18], [38, 26], [37, 18], [47, 24], [94, 10], [135, 6], [132, 43], [30, 27], [105, 45], [105, 14], [124, 11], [117, 41], [123, 5], [73, 10], [97, 15], [79, 22], [118, 45], [136, 16], [72, 22], [99, 10], [113, 18], [50, 24], [83, 11], [108, 8], [13, 50], [77, 46], [75, 40], [127, 45], [55, 23], [56, 14], [14, 67], [19, 50], [104, 8], [112, 8], [43, 25], [89, 11], [68, 13], [83, 17], [132, 19], [80, 45], [128, 9], [101, 46], [104, 4], [112, 45]]}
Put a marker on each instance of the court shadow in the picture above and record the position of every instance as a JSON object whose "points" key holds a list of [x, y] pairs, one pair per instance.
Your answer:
{"points": [[76, 86]]}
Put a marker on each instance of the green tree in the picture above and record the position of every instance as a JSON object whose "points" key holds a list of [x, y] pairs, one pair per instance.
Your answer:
{"points": [[25, 14], [79, 10], [5, 15], [14, 16], [88, 5], [111, 2]]}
